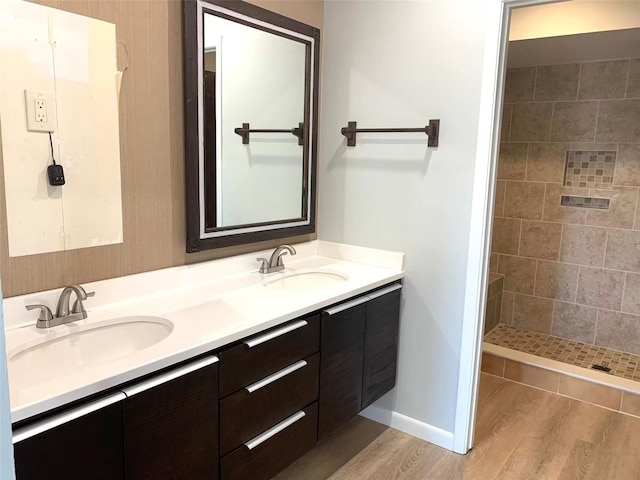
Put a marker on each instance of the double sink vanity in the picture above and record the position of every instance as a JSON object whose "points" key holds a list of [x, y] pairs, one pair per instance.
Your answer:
{"points": [[208, 371]]}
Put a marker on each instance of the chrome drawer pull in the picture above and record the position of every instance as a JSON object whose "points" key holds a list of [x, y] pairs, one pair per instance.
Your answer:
{"points": [[167, 377], [384, 291], [346, 306], [50, 423], [276, 376], [252, 342], [263, 437]]}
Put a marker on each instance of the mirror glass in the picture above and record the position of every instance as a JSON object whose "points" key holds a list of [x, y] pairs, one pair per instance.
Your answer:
{"points": [[255, 77], [256, 91]]}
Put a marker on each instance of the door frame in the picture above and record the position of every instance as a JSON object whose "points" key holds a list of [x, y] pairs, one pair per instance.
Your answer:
{"points": [[488, 142]]}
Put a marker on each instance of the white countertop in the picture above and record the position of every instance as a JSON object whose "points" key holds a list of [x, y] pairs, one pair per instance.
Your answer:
{"points": [[210, 304]]}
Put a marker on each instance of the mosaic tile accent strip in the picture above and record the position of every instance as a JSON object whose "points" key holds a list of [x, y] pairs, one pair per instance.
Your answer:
{"points": [[624, 365], [585, 202], [589, 169]]}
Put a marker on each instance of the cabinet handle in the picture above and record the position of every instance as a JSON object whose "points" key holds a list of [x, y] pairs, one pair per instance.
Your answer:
{"points": [[167, 377], [42, 426], [263, 437], [384, 291], [346, 306], [276, 376], [252, 342]]}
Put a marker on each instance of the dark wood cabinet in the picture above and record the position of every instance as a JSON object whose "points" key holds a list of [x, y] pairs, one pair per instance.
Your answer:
{"points": [[248, 416], [359, 349], [274, 450], [79, 444], [381, 344], [342, 353], [261, 355], [171, 425]]}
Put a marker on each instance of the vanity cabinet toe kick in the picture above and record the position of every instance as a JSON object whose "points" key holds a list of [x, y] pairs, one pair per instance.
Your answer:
{"points": [[246, 411]]}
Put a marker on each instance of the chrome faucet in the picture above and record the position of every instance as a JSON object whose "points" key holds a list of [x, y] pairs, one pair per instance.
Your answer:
{"points": [[274, 264], [64, 314]]}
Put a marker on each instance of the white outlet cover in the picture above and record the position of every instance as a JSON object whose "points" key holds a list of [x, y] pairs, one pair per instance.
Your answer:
{"points": [[50, 125]]}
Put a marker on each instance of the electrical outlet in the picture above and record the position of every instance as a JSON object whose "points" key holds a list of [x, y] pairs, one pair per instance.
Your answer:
{"points": [[41, 111]]}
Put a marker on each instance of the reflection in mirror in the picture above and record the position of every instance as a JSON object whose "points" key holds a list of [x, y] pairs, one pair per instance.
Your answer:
{"points": [[255, 77], [250, 100]]}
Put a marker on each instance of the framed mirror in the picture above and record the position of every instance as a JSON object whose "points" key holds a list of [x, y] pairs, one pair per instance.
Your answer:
{"points": [[251, 112]]}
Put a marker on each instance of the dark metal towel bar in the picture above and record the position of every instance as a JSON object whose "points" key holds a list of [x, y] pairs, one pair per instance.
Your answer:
{"points": [[246, 130], [432, 130]]}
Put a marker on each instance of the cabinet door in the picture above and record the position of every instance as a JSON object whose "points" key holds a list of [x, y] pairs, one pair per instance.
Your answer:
{"points": [[341, 357], [83, 443], [171, 425], [381, 344]]}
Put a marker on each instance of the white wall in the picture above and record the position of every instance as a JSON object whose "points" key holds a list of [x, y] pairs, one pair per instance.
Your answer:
{"points": [[6, 449], [262, 82], [398, 64]]}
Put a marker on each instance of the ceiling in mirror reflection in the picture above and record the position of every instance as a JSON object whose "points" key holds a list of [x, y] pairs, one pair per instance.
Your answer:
{"points": [[253, 77]]}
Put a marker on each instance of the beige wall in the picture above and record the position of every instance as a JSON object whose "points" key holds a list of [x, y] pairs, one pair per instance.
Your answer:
{"points": [[571, 272], [151, 146]]}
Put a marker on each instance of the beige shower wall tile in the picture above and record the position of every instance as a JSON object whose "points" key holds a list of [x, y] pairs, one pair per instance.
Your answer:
{"points": [[600, 288], [555, 212], [621, 210], [498, 209], [506, 312], [575, 322], [506, 235], [557, 82], [594, 146], [531, 122], [600, 80], [493, 263], [519, 273], [633, 85], [492, 365], [530, 375], [558, 281], [492, 313], [540, 240], [623, 250], [512, 161], [590, 392], [631, 300], [619, 331], [505, 128], [519, 84], [630, 404], [546, 162], [619, 121], [574, 121], [524, 200], [532, 313], [627, 170], [583, 245]]}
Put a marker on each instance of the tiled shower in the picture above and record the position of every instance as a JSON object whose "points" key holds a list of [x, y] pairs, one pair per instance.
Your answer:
{"points": [[566, 235]]}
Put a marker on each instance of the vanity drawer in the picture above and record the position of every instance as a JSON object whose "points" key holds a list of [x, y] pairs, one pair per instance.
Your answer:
{"points": [[257, 407], [267, 353], [267, 454]]}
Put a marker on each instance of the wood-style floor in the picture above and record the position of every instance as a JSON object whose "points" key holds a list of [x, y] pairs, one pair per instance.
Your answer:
{"points": [[522, 433]]}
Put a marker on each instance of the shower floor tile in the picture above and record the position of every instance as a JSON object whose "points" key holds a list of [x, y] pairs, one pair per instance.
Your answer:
{"points": [[624, 365]]}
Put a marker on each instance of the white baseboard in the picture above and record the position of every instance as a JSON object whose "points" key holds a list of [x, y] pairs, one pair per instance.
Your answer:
{"points": [[409, 425]]}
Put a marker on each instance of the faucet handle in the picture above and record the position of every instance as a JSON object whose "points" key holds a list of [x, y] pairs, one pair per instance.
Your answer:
{"points": [[45, 312], [78, 307], [264, 265]]}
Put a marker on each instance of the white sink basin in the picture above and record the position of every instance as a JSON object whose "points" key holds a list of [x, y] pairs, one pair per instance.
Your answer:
{"points": [[69, 348], [307, 281]]}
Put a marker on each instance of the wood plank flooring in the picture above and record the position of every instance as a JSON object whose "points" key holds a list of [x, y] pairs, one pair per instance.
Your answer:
{"points": [[522, 433]]}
